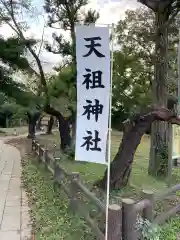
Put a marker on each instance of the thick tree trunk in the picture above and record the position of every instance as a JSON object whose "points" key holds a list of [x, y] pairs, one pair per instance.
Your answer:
{"points": [[158, 161], [32, 119], [64, 127], [133, 132], [122, 163], [50, 125], [31, 129], [64, 131], [159, 134]]}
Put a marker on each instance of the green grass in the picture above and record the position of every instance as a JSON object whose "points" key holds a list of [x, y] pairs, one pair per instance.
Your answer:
{"points": [[90, 172], [170, 230], [49, 208], [10, 131], [52, 207]]}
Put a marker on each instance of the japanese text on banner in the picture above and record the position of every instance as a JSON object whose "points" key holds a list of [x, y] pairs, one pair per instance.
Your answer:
{"points": [[93, 93]]}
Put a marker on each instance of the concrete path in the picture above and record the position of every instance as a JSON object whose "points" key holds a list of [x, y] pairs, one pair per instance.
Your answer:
{"points": [[14, 217]]}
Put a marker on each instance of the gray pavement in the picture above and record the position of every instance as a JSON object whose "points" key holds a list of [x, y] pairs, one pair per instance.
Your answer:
{"points": [[14, 216]]}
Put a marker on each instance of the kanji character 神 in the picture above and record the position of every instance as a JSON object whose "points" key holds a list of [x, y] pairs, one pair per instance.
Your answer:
{"points": [[95, 109]]}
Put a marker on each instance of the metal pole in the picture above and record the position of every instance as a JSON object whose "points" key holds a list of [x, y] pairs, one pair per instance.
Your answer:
{"points": [[109, 135], [178, 83]]}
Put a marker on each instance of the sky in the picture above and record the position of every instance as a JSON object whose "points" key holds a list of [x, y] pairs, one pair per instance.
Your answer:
{"points": [[111, 11]]}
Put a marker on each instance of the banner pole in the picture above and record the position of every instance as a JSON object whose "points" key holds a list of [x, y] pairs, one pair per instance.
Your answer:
{"points": [[109, 132], [178, 84]]}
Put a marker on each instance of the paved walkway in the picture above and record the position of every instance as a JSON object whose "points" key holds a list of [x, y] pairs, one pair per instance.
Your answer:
{"points": [[14, 217]]}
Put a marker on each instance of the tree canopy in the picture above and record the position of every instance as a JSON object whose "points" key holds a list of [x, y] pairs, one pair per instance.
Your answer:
{"points": [[134, 62]]}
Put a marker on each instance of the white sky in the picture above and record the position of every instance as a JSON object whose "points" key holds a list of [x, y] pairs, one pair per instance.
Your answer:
{"points": [[111, 11]]}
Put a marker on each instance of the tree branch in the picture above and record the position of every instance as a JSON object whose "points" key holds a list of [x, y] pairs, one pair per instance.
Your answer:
{"points": [[149, 4], [21, 35], [51, 111], [153, 113], [141, 45], [172, 17], [42, 39]]}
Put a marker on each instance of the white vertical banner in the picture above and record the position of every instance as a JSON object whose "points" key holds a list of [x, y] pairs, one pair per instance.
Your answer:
{"points": [[93, 93]]}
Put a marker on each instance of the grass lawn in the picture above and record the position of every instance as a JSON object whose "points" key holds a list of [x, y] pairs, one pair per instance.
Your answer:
{"points": [[10, 131], [50, 208], [91, 172]]}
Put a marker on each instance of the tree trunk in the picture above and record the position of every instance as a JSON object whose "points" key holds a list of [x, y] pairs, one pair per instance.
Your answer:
{"points": [[158, 162], [159, 134], [121, 166], [50, 125], [64, 130], [31, 129], [32, 119], [64, 127]]}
